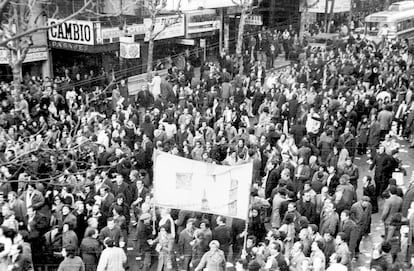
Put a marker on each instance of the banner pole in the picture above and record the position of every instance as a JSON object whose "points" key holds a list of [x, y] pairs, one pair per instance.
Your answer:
{"points": [[248, 214]]}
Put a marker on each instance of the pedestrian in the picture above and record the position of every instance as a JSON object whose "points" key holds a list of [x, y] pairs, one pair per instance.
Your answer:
{"points": [[112, 257], [391, 206], [361, 212], [164, 246], [214, 259], [71, 262], [90, 249]]}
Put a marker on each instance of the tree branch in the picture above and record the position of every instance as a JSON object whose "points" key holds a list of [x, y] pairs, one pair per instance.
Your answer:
{"points": [[3, 43], [3, 4]]}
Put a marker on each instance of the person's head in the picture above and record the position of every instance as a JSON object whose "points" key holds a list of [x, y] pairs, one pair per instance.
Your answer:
{"points": [[20, 237], [251, 241], [365, 201], [30, 211], [204, 224], [92, 233], [163, 231], [120, 199], [110, 223], [119, 179], [108, 242], [381, 149], [11, 196], [190, 224], [221, 220], [65, 209], [69, 251], [348, 161], [331, 169], [292, 206], [297, 247], [345, 215], [214, 245], [317, 245], [329, 207], [307, 197], [66, 227], [93, 222], [393, 190], [340, 238], [80, 206]]}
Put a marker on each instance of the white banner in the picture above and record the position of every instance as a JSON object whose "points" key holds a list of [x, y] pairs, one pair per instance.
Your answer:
{"points": [[79, 32], [167, 27], [320, 5], [186, 184]]}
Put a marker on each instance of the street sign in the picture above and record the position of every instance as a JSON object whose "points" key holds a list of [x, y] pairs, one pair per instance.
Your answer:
{"points": [[203, 43]]}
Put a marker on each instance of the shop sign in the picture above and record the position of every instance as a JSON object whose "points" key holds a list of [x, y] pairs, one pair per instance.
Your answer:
{"points": [[136, 29], [188, 42], [320, 6], [79, 32], [203, 43], [36, 54], [111, 33], [84, 48], [167, 27], [254, 20], [200, 27], [128, 48]]}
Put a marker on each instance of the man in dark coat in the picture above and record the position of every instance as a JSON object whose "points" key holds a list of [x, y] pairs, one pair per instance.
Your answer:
{"points": [[120, 187], [222, 234], [144, 234], [381, 162], [332, 181], [90, 250], [361, 212], [272, 179], [349, 227]]}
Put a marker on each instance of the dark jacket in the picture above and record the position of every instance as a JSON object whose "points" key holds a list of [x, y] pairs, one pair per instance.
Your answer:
{"points": [[90, 250], [223, 235]]}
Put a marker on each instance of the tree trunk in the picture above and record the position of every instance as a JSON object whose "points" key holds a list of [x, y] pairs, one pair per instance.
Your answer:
{"points": [[150, 56], [386, 4], [240, 35], [303, 20], [17, 77]]}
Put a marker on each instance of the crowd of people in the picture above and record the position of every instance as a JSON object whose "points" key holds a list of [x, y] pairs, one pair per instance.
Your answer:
{"points": [[76, 166]]}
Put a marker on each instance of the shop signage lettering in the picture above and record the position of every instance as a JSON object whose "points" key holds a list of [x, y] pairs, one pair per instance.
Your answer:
{"points": [[34, 54], [79, 32], [84, 48], [69, 46], [167, 27], [254, 20]]}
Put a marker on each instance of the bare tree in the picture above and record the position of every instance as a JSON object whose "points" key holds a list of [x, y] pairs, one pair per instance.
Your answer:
{"points": [[155, 8], [23, 18], [246, 9]]}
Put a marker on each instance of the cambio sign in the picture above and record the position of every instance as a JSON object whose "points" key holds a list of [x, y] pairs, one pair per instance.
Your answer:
{"points": [[80, 32]]}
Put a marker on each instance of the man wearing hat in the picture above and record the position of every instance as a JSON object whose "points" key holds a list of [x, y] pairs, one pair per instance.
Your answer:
{"points": [[144, 234], [361, 212]]}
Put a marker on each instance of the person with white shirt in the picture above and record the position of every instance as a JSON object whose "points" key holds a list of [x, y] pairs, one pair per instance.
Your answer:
{"points": [[156, 85]]}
